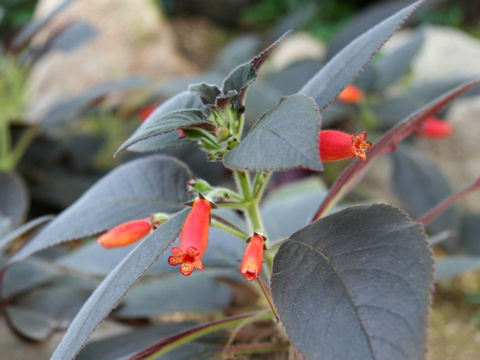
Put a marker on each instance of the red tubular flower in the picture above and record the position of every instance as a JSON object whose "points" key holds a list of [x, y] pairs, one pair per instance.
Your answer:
{"points": [[126, 233], [253, 257], [193, 239], [351, 94], [337, 145], [434, 128]]}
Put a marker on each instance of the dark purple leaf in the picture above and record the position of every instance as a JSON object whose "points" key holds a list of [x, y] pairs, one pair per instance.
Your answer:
{"points": [[355, 285], [111, 290], [285, 137]]}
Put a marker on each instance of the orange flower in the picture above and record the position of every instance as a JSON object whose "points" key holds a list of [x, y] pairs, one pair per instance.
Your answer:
{"points": [[351, 94], [193, 239], [337, 145], [126, 233], [434, 128], [253, 257]]}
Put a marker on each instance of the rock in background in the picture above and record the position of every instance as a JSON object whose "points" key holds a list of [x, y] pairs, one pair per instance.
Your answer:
{"points": [[133, 40]]}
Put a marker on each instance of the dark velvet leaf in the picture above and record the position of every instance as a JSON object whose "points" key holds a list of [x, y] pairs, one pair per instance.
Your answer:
{"points": [[184, 101], [451, 266], [13, 199], [238, 80], [131, 191], [107, 295], [174, 293], [354, 173], [121, 347], [291, 207], [260, 98], [258, 60], [66, 110], [285, 137], [30, 324], [342, 69], [420, 186], [355, 285]]}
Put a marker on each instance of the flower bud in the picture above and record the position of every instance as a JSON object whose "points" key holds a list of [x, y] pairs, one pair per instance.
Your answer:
{"points": [[337, 145], [253, 257], [193, 238], [126, 233], [434, 128], [351, 95]]}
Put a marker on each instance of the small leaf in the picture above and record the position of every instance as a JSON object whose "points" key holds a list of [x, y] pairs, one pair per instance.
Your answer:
{"points": [[183, 101], [420, 185], [207, 92], [115, 285], [450, 266], [360, 281], [342, 69], [166, 123], [174, 293], [238, 80], [131, 191], [258, 60], [285, 137]]}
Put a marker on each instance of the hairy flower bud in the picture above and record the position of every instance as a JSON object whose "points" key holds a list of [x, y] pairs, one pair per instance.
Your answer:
{"points": [[351, 95], [126, 233], [337, 145], [193, 238], [434, 128], [253, 257]]}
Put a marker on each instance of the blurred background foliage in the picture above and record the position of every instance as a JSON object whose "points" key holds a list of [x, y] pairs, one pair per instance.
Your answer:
{"points": [[59, 161]]}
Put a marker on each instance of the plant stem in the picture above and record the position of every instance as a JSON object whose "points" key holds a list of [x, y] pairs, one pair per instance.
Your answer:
{"points": [[22, 145], [229, 229], [175, 341]]}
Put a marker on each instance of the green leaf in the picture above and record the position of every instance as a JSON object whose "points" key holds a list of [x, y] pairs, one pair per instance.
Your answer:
{"points": [[131, 191], [342, 69], [115, 285], [360, 281], [285, 137]]}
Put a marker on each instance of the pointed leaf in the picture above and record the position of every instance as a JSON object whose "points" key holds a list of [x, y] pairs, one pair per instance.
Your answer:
{"points": [[25, 228], [207, 92], [131, 191], [348, 63], [115, 285], [283, 138], [360, 281], [183, 108], [258, 60], [30, 324]]}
